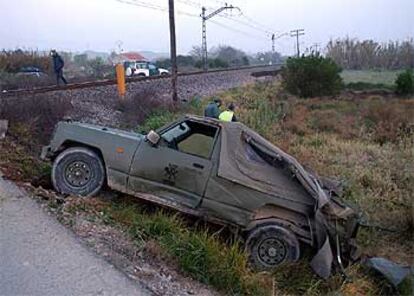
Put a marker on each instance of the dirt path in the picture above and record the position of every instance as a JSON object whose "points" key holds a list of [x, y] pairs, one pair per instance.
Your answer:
{"points": [[38, 256]]}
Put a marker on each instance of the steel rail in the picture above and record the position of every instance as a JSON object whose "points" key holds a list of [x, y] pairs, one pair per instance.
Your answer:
{"points": [[105, 82]]}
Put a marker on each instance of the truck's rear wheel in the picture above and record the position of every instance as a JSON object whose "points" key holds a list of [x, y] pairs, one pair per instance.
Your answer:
{"points": [[78, 171], [269, 246]]}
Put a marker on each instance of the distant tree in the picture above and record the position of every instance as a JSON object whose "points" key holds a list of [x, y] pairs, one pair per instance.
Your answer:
{"points": [[267, 57], [230, 55], [197, 53], [81, 60], [217, 63], [182, 61], [368, 54], [97, 66]]}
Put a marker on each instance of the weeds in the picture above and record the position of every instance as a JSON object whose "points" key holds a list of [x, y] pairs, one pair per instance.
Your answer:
{"points": [[137, 108], [12, 61], [32, 119], [199, 253]]}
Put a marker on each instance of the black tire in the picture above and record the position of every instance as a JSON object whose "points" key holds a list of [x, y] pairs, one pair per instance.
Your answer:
{"points": [[78, 171], [269, 246]]}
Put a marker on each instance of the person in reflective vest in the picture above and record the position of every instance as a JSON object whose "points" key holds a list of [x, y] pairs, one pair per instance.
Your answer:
{"points": [[228, 115]]}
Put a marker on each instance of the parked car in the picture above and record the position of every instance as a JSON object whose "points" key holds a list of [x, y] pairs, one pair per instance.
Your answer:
{"points": [[221, 171], [144, 69]]}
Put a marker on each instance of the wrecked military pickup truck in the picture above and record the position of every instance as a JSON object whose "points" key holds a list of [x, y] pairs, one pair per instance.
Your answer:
{"points": [[220, 171]]}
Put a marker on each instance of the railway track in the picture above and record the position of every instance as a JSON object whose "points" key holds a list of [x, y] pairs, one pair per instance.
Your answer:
{"points": [[264, 71]]}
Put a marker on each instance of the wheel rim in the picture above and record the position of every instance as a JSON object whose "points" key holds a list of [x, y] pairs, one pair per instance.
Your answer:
{"points": [[272, 251], [78, 174]]}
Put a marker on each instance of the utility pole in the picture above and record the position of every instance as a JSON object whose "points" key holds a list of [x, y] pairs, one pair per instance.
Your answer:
{"points": [[173, 50], [315, 48], [204, 39], [296, 33], [274, 38], [204, 18]]}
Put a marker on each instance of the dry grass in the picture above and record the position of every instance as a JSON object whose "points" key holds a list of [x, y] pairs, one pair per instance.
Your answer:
{"points": [[13, 60], [32, 118]]}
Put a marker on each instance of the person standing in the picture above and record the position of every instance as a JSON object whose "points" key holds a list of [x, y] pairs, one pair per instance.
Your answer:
{"points": [[228, 115], [58, 65], [213, 109]]}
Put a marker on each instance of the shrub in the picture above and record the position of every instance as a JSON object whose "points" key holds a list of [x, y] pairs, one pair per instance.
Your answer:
{"points": [[310, 76], [138, 108], [404, 84], [33, 118]]}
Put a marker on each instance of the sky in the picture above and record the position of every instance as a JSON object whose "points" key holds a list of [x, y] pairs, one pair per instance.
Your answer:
{"points": [[106, 25]]}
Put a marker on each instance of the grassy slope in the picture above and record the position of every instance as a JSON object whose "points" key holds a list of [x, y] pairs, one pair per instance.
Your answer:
{"points": [[367, 142]]}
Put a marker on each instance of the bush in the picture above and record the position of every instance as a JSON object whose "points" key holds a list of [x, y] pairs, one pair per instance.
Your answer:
{"points": [[138, 108], [404, 84], [33, 118], [310, 76]]}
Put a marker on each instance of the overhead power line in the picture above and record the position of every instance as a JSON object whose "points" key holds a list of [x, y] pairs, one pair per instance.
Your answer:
{"points": [[194, 4], [238, 31], [155, 7], [251, 23]]}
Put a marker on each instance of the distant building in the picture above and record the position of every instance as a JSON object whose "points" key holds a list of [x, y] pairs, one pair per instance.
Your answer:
{"points": [[128, 57]]}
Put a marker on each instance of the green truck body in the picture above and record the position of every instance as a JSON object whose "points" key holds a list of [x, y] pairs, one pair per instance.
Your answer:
{"points": [[186, 169]]}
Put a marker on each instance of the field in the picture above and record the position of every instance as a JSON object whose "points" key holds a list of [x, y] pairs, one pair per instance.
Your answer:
{"points": [[385, 77], [365, 141]]}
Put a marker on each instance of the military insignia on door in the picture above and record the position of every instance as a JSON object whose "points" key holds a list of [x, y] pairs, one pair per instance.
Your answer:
{"points": [[170, 174]]}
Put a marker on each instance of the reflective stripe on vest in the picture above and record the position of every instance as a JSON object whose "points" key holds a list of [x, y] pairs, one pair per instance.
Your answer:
{"points": [[226, 115]]}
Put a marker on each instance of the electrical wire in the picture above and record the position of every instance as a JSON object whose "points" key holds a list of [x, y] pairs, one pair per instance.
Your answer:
{"points": [[195, 4], [266, 32], [155, 7], [237, 30], [252, 24], [165, 9]]}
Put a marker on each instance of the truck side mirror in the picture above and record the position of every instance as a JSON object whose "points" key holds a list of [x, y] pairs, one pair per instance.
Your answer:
{"points": [[153, 137]]}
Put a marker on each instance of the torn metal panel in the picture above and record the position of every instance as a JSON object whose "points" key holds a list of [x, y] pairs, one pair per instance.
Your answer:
{"points": [[393, 272]]}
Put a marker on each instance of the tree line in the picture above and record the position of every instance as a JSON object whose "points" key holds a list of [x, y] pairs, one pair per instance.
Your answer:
{"points": [[368, 54]]}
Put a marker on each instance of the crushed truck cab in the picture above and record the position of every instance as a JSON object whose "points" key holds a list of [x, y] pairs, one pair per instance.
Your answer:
{"points": [[220, 171]]}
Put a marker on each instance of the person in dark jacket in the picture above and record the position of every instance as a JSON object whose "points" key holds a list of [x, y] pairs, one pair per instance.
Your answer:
{"points": [[213, 109], [58, 65]]}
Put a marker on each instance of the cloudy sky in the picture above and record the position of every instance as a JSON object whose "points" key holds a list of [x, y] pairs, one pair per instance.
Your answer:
{"points": [[105, 25]]}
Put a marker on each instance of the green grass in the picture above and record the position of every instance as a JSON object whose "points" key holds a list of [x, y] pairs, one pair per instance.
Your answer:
{"points": [[197, 251], [370, 77]]}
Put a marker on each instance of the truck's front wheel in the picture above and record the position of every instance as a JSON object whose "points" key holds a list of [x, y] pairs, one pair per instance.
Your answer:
{"points": [[78, 171]]}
